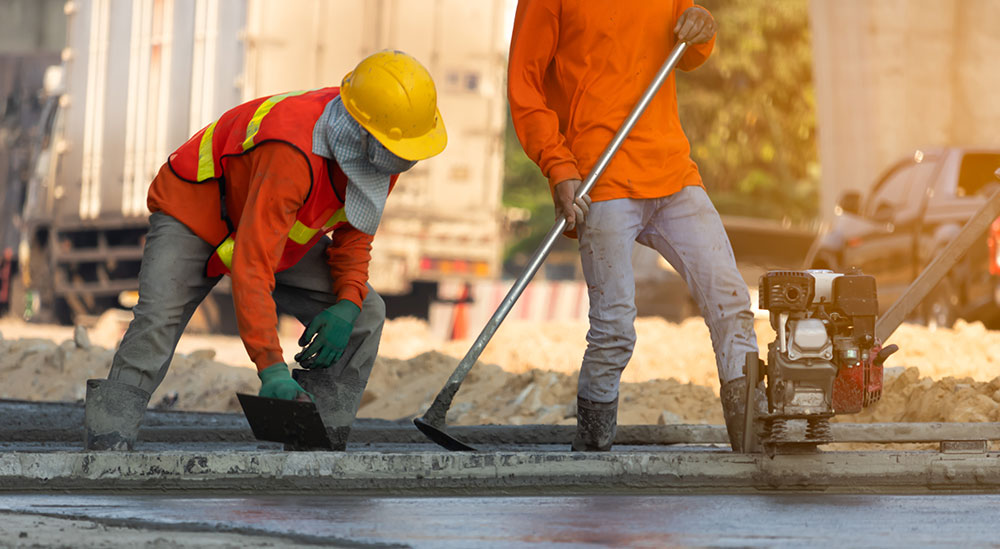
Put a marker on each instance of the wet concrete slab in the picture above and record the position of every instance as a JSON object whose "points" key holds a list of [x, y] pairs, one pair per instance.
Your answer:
{"points": [[766, 520], [191, 453], [63, 422]]}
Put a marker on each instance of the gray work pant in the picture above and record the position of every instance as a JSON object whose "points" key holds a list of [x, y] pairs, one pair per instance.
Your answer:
{"points": [[686, 230], [172, 283]]}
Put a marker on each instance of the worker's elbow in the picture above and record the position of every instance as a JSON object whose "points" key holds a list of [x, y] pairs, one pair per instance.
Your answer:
{"points": [[243, 273]]}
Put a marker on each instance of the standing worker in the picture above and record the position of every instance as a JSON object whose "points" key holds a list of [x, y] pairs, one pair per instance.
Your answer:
{"points": [[576, 70], [284, 194]]}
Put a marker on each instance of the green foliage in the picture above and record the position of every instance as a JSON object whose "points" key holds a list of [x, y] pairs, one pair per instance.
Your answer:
{"points": [[749, 113]]}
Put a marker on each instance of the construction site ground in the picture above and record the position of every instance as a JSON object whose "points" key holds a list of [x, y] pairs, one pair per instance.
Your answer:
{"points": [[200, 479], [607, 520]]}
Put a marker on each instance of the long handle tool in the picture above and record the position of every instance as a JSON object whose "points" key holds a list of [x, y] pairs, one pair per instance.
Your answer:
{"points": [[433, 422]]}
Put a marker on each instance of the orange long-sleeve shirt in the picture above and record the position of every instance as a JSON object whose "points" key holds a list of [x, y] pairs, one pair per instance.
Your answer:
{"points": [[264, 190], [575, 71]]}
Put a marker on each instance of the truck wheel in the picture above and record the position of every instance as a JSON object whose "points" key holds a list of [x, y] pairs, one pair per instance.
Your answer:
{"points": [[941, 306], [17, 299]]}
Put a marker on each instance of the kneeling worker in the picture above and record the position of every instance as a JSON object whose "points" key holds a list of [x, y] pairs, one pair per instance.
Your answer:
{"points": [[284, 194]]}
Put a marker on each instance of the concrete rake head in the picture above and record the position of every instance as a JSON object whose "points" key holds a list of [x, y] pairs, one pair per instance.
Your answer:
{"points": [[441, 437]]}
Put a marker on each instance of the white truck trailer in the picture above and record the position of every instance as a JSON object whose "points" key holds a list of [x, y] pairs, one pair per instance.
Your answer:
{"points": [[140, 76]]}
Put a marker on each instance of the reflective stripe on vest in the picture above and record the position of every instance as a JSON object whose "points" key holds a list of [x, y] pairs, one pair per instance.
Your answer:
{"points": [[206, 158], [300, 234], [206, 162], [254, 126]]}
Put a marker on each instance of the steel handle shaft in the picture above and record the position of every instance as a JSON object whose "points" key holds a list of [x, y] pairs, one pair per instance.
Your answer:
{"points": [[436, 413]]}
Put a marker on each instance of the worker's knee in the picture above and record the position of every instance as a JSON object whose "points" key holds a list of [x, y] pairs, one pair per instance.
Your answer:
{"points": [[372, 315], [148, 318], [374, 304], [728, 302], [614, 342]]}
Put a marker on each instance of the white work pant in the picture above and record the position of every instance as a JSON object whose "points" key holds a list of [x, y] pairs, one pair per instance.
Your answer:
{"points": [[686, 230]]}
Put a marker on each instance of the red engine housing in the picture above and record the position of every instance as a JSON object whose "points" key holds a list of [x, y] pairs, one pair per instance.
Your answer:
{"points": [[858, 385]]}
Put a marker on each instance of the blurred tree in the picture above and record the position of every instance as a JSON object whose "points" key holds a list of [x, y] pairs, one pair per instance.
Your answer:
{"points": [[749, 113]]}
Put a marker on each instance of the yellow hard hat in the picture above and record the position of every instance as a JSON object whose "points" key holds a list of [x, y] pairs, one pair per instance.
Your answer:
{"points": [[393, 97]]}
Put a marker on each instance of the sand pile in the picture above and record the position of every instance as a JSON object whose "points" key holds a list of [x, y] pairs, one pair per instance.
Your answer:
{"points": [[493, 395], [39, 369], [909, 397], [527, 375], [684, 351]]}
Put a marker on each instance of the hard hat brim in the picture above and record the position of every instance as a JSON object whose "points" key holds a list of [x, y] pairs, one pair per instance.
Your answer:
{"points": [[408, 148], [414, 148]]}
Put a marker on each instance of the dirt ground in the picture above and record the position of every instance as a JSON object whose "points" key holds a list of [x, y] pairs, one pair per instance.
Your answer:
{"points": [[526, 375]]}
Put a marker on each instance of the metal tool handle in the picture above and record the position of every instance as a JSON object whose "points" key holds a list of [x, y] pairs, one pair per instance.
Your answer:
{"points": [[435, 415]]}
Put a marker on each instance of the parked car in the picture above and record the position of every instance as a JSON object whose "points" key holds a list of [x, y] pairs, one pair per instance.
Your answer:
{"points": [[910, 214]]}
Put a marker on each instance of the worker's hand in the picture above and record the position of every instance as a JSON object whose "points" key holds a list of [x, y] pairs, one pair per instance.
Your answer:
{"points": [[575, 211], [327, 335], [277, 382], [695, 26]]}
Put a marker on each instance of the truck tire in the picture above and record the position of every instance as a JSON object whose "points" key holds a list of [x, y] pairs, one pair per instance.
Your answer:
{"points": [[17, 299]]}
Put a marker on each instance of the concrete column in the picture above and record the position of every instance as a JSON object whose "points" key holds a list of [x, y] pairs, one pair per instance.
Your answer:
{"points": [[896, 75]]}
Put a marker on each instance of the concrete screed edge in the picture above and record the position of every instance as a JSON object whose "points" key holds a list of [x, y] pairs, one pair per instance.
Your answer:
{"points": [[302, 472]]}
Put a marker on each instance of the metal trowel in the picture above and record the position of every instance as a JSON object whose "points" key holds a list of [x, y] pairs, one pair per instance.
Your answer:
{"points": [[295, 423]]}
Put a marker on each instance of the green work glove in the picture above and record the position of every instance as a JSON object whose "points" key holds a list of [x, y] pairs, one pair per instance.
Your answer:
{"points": [[327, 335], [277, 382]]}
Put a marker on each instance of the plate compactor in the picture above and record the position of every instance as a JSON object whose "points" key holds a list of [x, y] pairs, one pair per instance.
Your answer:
{"points": [[826, 359]]}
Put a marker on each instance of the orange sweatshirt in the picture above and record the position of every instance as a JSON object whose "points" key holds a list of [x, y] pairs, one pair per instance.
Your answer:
{"points": [[264, 190], [575, 71]]}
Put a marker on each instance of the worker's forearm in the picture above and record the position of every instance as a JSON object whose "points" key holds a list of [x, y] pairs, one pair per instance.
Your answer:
{"points": [[279, 187], [348, 255], [253, 283], [257, 321]]}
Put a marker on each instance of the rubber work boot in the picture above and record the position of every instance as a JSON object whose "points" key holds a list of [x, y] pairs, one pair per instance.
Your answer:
{"points": [[596, 423], [113, 414], [734, 410]]}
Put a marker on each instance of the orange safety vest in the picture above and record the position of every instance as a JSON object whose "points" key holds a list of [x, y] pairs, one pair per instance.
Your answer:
{"points": [[287, 118]]}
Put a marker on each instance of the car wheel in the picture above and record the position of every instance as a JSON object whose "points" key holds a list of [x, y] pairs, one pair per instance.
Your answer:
{"points": [[941, 306]]}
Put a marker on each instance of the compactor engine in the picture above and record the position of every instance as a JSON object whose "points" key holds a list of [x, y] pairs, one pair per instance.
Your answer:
{"points": [[825, 359]]}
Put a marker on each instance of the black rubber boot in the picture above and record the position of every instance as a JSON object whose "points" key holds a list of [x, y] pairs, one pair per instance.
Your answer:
{"points": [[112, 415], [596, 423], [733, 395]]}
